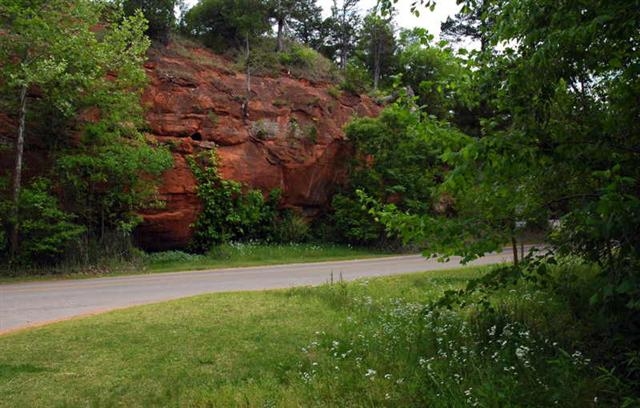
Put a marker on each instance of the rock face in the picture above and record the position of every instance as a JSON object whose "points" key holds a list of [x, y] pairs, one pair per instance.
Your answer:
{"points": [[286, 133]]}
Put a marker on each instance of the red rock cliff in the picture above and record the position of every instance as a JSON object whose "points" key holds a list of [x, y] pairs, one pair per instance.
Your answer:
{"points": [[289, 136]]}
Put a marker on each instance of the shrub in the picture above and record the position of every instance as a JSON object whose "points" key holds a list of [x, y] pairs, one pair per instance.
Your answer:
{"points": [[102, 253], [354, 223], [229, 212], [334, 92], [298, 61], [356, 79], [404, 351], [262, 59], [45, 230], [171, 257], [264, 129], [298, 55], [291, 227], [303, 62]]}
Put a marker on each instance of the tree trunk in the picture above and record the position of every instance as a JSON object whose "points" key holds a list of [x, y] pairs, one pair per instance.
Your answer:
{"points": [[17, 176], [245, 102], [376, 67], [343, 55], [280, 35], [514, 246], [248, 67]]}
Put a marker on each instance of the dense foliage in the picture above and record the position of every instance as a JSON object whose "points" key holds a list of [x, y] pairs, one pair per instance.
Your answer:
{"points": [[160, 16], [554, 90], [398, 161], [377, 47], [224, 23], [71, 75], [230, 213]]}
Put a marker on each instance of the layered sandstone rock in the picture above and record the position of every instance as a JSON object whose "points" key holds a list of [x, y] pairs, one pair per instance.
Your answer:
{"points": [[288, 135]]}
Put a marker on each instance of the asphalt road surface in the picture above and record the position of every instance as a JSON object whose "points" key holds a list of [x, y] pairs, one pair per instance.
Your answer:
{"points": [[36, 303]]}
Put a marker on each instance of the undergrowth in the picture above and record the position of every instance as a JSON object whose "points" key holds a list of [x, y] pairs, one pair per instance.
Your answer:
{"points": [[529, 348], [250, 253]]}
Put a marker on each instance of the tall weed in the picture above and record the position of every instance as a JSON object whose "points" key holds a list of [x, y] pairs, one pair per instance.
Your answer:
{"points": [[408, 352]]}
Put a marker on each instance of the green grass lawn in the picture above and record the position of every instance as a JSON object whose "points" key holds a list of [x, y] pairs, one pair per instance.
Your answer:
{"points": [[367, 343], [252, 254]]}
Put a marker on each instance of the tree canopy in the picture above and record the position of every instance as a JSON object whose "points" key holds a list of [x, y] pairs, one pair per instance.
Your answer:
{"points": [[558, 84], [62, 58], [224, 23], [160, 16]]}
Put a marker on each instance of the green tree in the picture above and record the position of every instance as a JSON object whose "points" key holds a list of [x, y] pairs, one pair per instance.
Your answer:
{"points": [[471, 24], [46, 231], [570, 91], [397, 162], [341, 29], [224, 23], [229, 213], [160, 15], [562, 142], [377, 46], [434, 73], [302, 15], [308, 27], [64, 57]]}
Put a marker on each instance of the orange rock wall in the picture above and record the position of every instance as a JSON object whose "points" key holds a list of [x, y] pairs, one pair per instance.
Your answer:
{"points": [[290, 137]]}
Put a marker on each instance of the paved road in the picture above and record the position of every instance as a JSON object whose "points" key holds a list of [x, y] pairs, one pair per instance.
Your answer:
{"points": [[36, 303]]}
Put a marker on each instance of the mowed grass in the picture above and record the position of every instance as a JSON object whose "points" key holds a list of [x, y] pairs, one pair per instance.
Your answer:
{"points": [[367, 343], [252, 254]]}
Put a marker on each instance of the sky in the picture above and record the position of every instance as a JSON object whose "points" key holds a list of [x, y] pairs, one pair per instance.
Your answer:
{"points": [[428, 19], [404, 18]]}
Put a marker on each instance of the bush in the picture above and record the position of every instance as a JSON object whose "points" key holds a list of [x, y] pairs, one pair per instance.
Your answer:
{"points": [[356, 80], [560, 305], [298, 61], [304, 62], [404, 351], [107, 251], [168, 257], [264, 129], [262, 59], [334, 92], [290, 228], [229, 212], [354, 223], [45, 231]]}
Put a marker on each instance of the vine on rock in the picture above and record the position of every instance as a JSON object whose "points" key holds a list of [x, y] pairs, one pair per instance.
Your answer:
{"points": [[230, 212]]}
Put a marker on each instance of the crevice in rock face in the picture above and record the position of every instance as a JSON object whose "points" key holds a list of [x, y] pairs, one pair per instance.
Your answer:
{"points": [[196, 136]]}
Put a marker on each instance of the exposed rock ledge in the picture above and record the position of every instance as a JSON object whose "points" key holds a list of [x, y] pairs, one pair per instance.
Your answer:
{"points": [[290, 137]]}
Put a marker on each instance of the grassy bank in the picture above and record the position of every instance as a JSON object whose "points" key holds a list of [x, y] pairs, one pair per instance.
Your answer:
{"points": [[252, 254], [223, 256], [367, 343]]}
